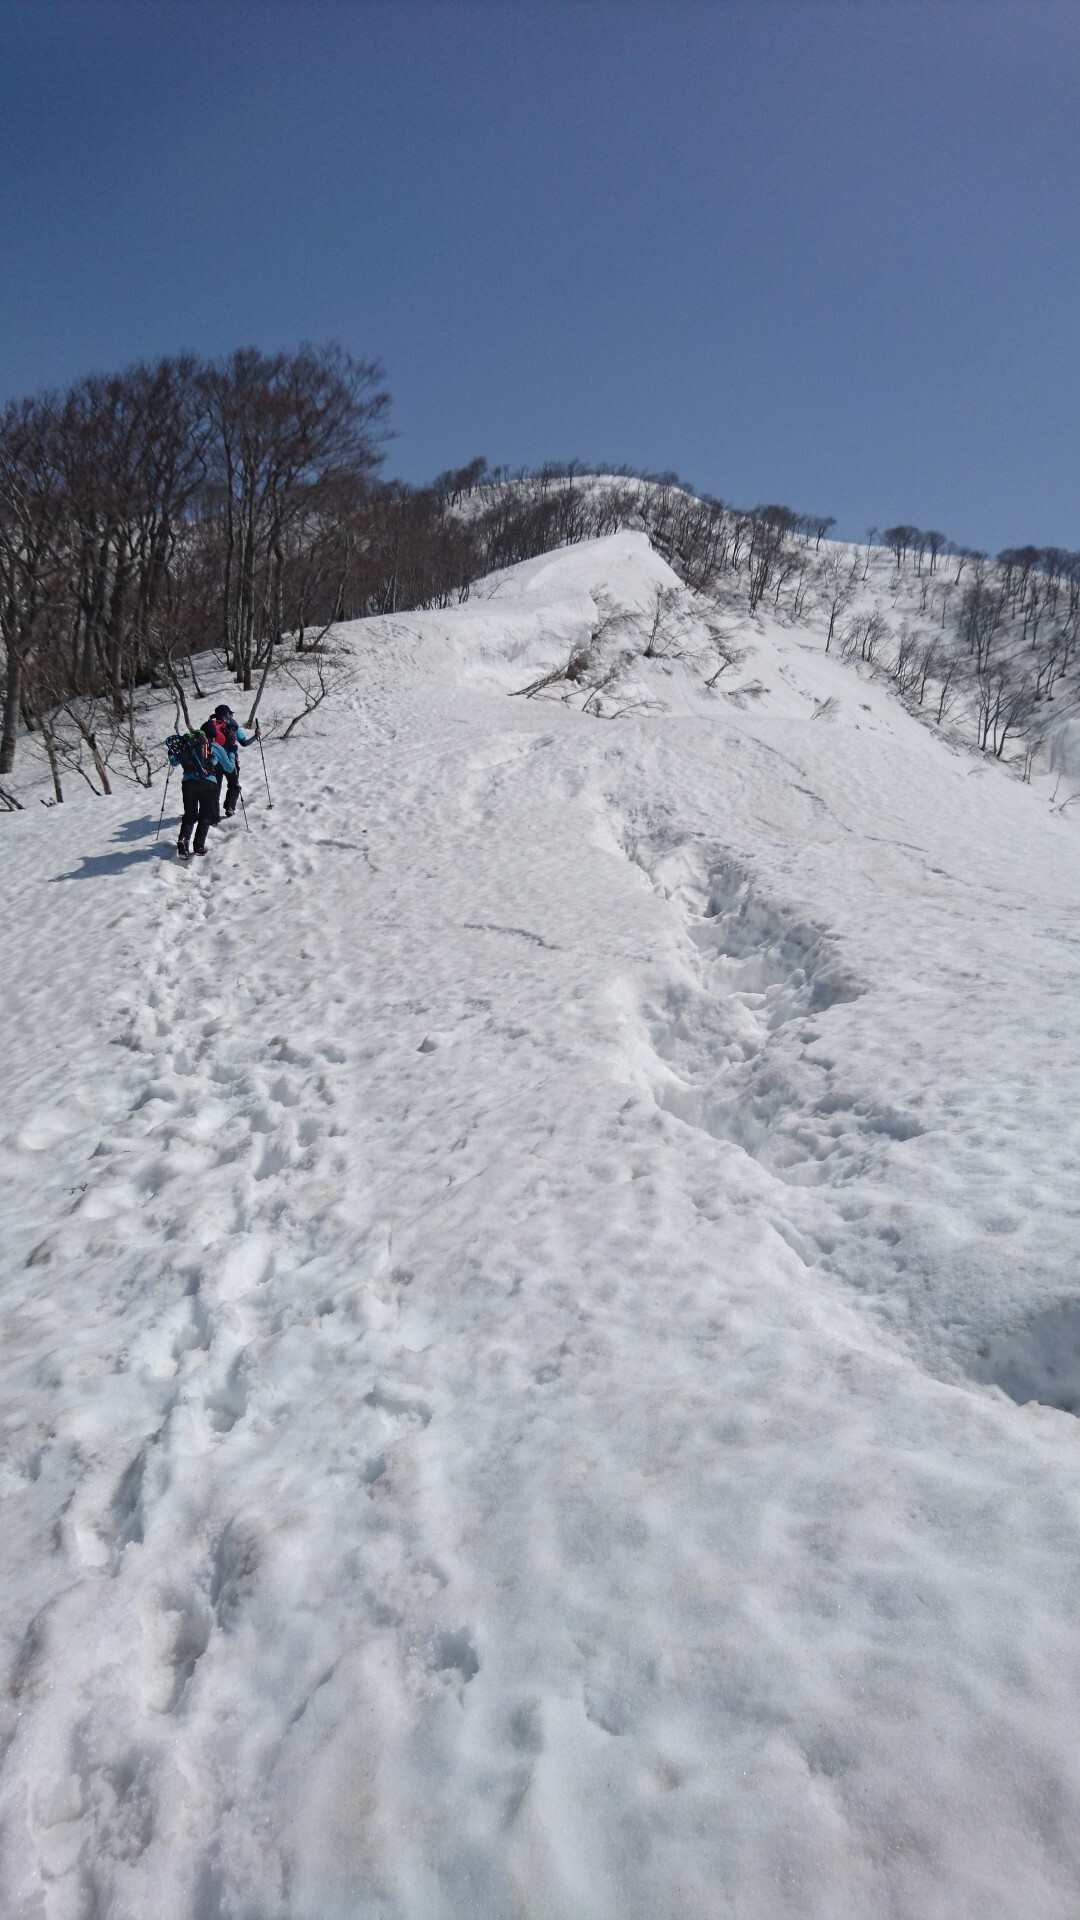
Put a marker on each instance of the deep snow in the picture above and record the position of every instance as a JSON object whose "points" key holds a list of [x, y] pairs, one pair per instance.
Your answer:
{"points": [[519, 1280]]}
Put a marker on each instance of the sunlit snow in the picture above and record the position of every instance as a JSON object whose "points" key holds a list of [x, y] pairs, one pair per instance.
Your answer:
{"points": [[541, 1310]]}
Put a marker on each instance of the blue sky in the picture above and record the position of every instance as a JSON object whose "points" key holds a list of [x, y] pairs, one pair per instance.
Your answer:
{"points": [[816, 251]]}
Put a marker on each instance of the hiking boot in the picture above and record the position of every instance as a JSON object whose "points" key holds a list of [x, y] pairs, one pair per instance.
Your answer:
{"points": [[201, 851], [183, 849]]}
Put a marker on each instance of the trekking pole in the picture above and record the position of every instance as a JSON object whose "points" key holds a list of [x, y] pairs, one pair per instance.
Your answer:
{"points": [[243, 809], [262, 756], [164, 797]]}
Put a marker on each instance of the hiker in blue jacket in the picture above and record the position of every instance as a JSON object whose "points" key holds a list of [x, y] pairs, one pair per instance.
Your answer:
{"points": [[199, 762], [224, 730]]}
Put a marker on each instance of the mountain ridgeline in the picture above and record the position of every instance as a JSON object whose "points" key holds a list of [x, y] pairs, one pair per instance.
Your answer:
{"points": [[238, 506]]}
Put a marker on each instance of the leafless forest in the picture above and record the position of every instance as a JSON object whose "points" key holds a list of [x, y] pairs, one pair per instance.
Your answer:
{"points": [[149, 516]]}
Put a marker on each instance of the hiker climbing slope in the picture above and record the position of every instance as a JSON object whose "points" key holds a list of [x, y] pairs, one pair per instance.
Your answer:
{"points": [[224, 730], [198, 761]]}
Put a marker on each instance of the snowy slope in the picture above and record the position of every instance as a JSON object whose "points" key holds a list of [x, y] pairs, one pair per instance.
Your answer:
{"points": [[520, 1280]]}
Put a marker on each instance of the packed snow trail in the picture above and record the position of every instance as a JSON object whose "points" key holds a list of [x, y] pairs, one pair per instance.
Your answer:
{"points": [[510, 1272]]}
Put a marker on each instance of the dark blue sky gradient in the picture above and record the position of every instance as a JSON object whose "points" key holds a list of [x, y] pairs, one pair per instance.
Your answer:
{"points": [[817, 251]]}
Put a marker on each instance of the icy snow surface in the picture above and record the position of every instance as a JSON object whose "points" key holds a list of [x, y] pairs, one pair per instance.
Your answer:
{"points": [[522, 1277]]}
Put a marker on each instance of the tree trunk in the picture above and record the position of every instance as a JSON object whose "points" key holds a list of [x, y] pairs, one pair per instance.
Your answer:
{"points": [[49, 743], [12, 700], [91, 741], [267, 664]]}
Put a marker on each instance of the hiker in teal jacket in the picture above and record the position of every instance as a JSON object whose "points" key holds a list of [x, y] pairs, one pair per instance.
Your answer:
{"points": [[199, 762]]}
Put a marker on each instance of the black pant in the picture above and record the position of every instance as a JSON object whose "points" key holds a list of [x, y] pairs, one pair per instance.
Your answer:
{"points": [[232, 791], [201, 805]]}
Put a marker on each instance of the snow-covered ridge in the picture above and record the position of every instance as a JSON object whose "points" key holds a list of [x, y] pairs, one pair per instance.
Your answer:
{"points": [[988, 647], [521, 1277]]}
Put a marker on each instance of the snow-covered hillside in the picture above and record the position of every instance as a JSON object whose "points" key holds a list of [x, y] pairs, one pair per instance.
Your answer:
{"points": [[521, 1278]]}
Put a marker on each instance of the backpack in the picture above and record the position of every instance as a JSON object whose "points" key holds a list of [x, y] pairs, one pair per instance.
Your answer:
{"points": [[215, 732], [191, 753]]}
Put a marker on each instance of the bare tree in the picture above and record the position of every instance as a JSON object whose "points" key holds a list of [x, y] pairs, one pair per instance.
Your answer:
{"points": [[907, 666], [32, 569], [946, 674], [287, 430], [819, 525], [319, 678], [838, 583], [665, 628], [863, 635], [1004, 700]]}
